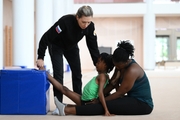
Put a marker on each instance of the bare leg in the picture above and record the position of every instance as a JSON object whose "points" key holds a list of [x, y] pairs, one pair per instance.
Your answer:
{"points": [[70, 94], [70, 110]]}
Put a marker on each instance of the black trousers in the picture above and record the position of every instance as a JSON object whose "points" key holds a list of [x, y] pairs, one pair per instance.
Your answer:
{"points": [[73, 59], [120, 106]]}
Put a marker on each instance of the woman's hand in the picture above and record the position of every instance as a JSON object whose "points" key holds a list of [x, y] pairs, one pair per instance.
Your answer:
{"points": [[108, 114], [40, 63]]}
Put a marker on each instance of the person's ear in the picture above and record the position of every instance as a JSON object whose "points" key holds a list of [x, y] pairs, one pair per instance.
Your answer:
{"points": [[77, 17]]}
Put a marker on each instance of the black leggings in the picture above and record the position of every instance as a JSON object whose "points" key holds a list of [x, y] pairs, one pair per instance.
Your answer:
{"points": [[73, 58], [120, 106]]}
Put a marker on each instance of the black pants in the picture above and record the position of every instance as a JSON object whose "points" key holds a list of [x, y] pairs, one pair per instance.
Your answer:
{"points": [[73, 59], [120, 106]]}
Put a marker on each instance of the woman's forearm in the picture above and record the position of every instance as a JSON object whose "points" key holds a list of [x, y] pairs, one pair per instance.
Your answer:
{"points": [[108, 89], [102, 100]]}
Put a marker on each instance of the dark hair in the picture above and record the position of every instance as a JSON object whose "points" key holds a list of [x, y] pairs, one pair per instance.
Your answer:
{"points": [[124, 51], [107, 58], [84, 11]]}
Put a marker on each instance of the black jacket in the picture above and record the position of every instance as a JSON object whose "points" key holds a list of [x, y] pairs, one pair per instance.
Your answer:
{"points": [[66, 33]]}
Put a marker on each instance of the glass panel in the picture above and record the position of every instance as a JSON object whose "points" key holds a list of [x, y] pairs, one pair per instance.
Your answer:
{"points": [[161, 48], [178, 49]]}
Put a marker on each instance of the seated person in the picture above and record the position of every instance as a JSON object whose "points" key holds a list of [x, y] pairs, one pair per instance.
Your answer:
{"points": [[133, 95], [93, 89]]}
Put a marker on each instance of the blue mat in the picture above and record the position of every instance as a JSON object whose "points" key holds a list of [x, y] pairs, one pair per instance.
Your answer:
{"points": [[23, 91]]}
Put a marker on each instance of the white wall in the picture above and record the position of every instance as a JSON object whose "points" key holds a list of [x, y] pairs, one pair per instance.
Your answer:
{"points": [[131, 9], [125, 9]]}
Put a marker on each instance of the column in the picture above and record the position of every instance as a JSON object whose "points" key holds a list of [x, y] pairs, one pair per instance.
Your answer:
{"points": [[59, 9], [149, 37], [44, 17], [62, 7], [69, 6], [23, 33], [1, 34]]}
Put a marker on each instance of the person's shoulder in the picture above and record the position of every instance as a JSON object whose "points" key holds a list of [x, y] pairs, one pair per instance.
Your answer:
{"points": [[134, 69], [91, 24], [103, 75], [91, 27], [134, 63], [68, 17]]}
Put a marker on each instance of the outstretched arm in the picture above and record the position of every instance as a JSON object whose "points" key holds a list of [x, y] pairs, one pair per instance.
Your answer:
{"points": [[101, 81]]}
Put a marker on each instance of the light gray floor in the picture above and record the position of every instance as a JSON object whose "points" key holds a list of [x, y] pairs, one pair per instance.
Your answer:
{"points": [[165, 85]]}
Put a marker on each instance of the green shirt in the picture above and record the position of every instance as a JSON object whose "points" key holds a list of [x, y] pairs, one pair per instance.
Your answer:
{"points": [[90, 90]]}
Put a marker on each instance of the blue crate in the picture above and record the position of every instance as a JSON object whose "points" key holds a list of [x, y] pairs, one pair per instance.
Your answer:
{"points": [[23, 92]]}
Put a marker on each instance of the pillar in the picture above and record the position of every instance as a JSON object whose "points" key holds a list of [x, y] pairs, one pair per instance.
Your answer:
{"points": [[149, 37], [44, 17], [62, 7], [69, 6], [59, 9], [23, 33]]}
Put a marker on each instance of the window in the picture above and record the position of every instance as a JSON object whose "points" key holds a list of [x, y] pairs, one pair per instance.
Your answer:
{"points": [[162, 43], [178, 48]]}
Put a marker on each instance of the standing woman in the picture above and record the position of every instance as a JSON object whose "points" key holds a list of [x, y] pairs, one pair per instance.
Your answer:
{"points": [[62, 39], [133, 95]]}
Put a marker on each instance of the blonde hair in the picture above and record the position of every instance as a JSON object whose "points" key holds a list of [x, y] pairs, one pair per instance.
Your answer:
{"points": [[84, 11]]}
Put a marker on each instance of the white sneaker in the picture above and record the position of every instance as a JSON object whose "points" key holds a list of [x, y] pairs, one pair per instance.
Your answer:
{"points": [[60, 106], [55, 112]]}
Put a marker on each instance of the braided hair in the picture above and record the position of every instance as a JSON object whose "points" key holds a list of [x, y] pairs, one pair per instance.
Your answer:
{"points": [[107, 58], [123, 52]]}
